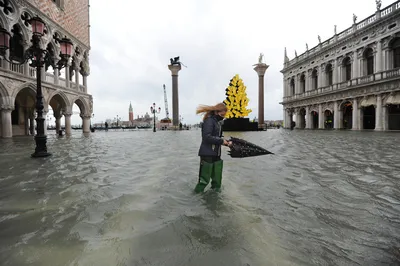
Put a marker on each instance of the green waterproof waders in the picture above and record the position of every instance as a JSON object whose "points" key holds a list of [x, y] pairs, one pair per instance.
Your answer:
{"points": [[216, 176], [209, 171]]}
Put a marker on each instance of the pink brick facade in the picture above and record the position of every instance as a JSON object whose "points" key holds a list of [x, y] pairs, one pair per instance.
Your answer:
{"points": [[73, 17]]}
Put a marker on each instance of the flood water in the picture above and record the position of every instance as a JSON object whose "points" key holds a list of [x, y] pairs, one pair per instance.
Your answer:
{"points": [[125, 198]]}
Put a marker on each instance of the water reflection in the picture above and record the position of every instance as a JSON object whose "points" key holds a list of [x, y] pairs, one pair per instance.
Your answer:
{"points": [[126, 198]]}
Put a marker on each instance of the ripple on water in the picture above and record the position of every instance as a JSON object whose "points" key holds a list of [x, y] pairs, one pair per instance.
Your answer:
{"points": [[125, 198]]}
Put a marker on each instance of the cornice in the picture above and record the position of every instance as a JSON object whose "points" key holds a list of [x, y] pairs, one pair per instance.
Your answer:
{"points": [[350, 38]]}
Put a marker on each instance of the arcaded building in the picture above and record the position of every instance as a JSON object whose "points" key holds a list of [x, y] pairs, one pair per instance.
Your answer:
{"points": [[63, 84], [350, 81]]}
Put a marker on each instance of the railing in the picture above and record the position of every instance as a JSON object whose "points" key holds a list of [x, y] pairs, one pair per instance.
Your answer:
{"points": [[369, 20], [381, 76], [49, 78]]}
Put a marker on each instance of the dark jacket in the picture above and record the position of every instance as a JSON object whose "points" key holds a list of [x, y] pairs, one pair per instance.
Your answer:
{"points": [[211, 132]]}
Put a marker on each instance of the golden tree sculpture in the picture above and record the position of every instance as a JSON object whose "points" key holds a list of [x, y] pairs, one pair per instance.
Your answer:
{"points": [[236, 99]]}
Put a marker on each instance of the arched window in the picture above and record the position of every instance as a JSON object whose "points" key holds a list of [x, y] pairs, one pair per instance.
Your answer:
{"points": [[16, 47], [302, 83], [292, 87], [347, 69], [329, 74], [396, 52], [314, 77], [368, 62]]}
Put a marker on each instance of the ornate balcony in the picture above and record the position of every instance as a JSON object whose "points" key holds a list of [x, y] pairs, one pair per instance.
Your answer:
{"points": [[48, 78], [384, 76]]}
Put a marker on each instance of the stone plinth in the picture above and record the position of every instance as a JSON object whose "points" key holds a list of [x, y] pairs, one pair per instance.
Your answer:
{"points": [[175, 68], [260, 69]]}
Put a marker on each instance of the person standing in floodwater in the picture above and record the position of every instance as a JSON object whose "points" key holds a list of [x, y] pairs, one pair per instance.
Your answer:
{"points": [[211, 163]]}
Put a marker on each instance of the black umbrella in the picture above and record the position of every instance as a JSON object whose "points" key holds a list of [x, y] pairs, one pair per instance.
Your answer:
{"points": [[241, 148]]}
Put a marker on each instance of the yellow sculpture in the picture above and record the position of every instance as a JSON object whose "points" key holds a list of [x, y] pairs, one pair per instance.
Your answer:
{"points": [[236, 99]]}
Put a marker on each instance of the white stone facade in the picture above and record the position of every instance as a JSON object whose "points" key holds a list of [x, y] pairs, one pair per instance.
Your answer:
{"points": [[350, 81], [18, 82]]}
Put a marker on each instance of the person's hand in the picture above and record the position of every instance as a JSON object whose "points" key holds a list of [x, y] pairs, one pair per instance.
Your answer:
{"points": [[226, 143], [229, 143]]}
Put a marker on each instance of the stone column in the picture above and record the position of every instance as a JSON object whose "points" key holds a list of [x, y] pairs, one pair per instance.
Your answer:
{"points": [[336, 115], [84, 81], [340, 71], [175, 68], [308, 117], [58, 123], [56, 76], [335, 72], [76, 70], [355, 115], [360, 118], [378, 113], [356, 66], [6, 125], [43, 74], [378, 56], [67, 75], [285, 118], [309, 80], [86, 123], [320, 117], [385, 118], [385, 60], [67, 123], [260, 69], [298, 119]]}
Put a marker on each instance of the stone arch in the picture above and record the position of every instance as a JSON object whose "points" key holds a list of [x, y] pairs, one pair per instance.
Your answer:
{"points": [[340, 105], [29, 85], [328, 118], [61, 98], [24, 31], [82, 104], [346, 114], [22, 117]]}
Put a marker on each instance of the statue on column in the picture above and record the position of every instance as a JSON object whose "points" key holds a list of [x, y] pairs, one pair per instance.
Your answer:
{"points": [[175, 61], [354, 18], [306, 46], [319, 39], [335, 30], [378, 5], [260, 58]]}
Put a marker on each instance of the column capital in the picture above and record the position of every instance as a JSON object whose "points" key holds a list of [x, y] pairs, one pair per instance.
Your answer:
{"points": [[174, 69], [261, 68], [6, 107], [85, 116], [67, 114]]}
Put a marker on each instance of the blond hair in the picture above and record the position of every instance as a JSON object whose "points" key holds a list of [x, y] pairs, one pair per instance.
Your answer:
{"points": [[209, 110]]}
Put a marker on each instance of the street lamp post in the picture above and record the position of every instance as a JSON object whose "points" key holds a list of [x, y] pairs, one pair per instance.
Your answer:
{"points": [[37, 55], [154, 112]]}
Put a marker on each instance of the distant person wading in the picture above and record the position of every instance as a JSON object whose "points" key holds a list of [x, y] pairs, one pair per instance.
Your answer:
{"points": [[210, 149]]}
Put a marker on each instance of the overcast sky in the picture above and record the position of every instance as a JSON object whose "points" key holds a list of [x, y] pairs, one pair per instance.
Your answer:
{"points": [[132, 42]]}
